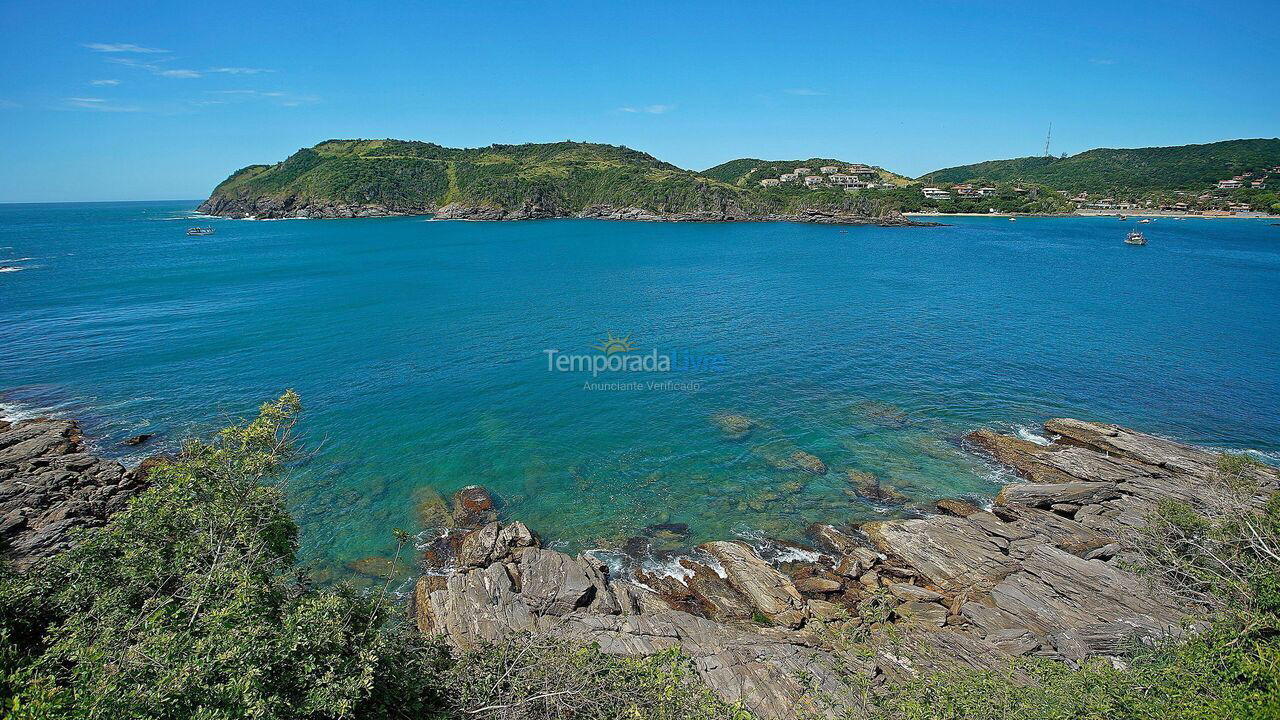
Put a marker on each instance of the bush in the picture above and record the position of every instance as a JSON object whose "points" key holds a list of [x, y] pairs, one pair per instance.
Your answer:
{"points": [[187, 604]]}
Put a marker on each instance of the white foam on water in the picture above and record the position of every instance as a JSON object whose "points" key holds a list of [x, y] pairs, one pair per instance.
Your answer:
{"points": [[710, 561], [11, 268], [1027, 434], [9, 260], [668, 568]]}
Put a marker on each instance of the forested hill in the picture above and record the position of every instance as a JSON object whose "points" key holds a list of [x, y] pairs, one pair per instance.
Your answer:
{"points": [[749, 171], [360, 178], [1182, 167]]}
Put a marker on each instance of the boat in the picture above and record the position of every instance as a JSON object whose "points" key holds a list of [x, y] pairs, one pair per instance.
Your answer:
{"points": [[1013, 219], [1123, 218], [1143, 221], [199, 231], [1135, 238]]}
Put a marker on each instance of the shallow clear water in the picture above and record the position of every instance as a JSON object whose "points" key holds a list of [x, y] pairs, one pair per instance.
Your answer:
{"points": [[418, 349]]}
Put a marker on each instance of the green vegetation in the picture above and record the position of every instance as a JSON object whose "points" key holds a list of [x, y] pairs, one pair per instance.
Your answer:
{"points": [[746, 172], [188, 605], [1229, 565], [560, 178], [1182, 167], [1022, 198]]}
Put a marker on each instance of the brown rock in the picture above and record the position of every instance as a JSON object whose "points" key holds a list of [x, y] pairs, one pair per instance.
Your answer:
{"points": [[473, 507], [958, 508], [768, 590], [816, 585]]}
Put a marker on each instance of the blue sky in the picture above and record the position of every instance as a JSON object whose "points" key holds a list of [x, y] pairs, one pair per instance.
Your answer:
{"points": [[123, 100]]}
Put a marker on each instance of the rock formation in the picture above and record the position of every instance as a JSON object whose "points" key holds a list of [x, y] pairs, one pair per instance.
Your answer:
{"points": [[1038, 574], [49, 486]]}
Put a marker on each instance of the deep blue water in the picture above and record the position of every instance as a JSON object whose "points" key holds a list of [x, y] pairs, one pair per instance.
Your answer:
{"points": [[418, 349]]}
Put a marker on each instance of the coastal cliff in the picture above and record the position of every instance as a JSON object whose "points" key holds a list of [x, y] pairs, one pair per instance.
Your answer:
{"points": [[378, 178], [1042, 573]]}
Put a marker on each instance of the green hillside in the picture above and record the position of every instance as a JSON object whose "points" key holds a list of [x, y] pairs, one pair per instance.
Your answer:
{"points": [[748, 171], [345, 178], [1183, 167]]}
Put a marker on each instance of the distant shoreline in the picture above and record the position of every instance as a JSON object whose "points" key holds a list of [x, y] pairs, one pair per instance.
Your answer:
{"points": [[1157, 214]]}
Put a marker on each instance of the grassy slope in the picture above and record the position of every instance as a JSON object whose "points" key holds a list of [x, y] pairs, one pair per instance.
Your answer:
{"points": [[567, 176], [1159, 168]]}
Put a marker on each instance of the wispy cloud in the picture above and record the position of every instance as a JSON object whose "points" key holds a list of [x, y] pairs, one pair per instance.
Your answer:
{"points": [[121, 48], [276, 97], [804, 91], [259, 93], [155, 68], [648, 109], [104, 82], [239, 70], [98, 104]]}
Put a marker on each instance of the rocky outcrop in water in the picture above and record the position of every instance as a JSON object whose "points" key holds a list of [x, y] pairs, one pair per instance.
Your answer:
{"points": [[50, 485], [274, 208], [1038, 574], [291, 206]]}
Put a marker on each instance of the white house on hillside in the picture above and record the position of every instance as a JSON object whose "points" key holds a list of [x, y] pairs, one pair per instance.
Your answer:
{"points": [[934, 193], [827, 169]]}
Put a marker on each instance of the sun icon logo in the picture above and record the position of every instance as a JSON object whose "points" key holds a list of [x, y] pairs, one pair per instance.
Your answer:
{"points": [[613, 345]]}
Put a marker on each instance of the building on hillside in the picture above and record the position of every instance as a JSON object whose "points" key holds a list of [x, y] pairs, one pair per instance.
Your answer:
{"points": [[770, 182], [933, 193], [803, 171], [842, 179], [963, 189], [860, 169], [788, 177], [813, 180], [828, 169], [986, 191], [1231, 184], [1238, 207], [1259, 184]]}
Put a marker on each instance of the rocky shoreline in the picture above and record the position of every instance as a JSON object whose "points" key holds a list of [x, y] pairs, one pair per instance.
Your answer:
{"points": [[51, 486], [1042, 573], [284, 208]]}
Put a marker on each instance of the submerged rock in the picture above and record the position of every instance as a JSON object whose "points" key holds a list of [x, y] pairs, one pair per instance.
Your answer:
{"points": [[138, 439], [733, 426], [809, 462], [869, 487]]}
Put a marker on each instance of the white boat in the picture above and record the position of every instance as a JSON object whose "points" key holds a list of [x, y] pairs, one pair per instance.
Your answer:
{"points": [[1135, 238], [1143, 221], [199, 231]]}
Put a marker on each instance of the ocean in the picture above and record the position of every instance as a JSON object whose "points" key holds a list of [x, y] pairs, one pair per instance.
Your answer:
{"points": [[585, 371]]}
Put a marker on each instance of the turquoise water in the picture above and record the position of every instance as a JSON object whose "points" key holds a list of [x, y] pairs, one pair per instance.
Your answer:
{"points": [[418, 349]]}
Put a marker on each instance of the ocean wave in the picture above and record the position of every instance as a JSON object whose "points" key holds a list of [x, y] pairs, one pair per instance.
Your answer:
{"points": [[10, 268], [11, 260], [1025, 433]]}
